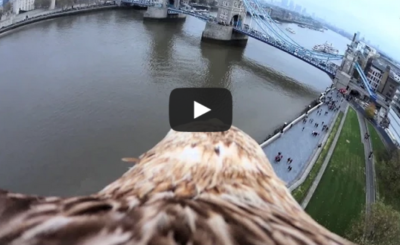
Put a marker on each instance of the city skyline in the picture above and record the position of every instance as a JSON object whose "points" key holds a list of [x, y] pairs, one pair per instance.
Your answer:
{"points": [[376, 21]]}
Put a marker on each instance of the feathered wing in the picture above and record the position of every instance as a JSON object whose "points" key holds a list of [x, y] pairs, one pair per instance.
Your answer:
{"points": [[191, 188]]}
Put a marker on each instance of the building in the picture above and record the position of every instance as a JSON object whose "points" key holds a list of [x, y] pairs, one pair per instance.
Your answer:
{"points": [[4, 2], [394, 126], [374, 76], [278, 13], [396, 98], [297, 8], [382, 78], [358, 36], [291, 5], [394, 112], [285, 3], [24, 5], [389, 88], [268, 10]]}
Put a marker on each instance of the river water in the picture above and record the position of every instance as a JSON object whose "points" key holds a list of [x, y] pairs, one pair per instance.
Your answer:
{"points": [[79, 93]]}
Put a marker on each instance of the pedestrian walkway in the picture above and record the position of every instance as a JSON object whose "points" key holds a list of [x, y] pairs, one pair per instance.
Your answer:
{"points": [[34, 13], [12, 19], [369, 167], [313, 188], [298, 144]]}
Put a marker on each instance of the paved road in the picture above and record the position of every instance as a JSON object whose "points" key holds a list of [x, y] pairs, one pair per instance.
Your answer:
{"points": [[299, 145], [385, 137], [369, 168]]}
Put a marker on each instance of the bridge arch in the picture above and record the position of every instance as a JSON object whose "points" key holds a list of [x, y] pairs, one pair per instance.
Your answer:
{"points": [[236, 20], [355, 93]]}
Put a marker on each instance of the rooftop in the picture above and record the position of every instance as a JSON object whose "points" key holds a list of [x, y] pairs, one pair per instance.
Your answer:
{"points": [[381, 65], [378, 64], [394, 76]]}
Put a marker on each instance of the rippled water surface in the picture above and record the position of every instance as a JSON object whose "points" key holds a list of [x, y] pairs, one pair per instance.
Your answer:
{"points": [[79, 93]]}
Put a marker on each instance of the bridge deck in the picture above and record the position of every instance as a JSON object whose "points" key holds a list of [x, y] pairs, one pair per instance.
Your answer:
{"points": [[298, 144]]}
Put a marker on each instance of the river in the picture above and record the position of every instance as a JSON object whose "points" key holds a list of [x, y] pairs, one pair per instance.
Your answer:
{"points": [[79, 93]]}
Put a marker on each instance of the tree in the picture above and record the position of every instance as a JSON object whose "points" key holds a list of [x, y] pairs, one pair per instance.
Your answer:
{"points": [[389, 173], [370, 111], [383, 226], [7, 7]]}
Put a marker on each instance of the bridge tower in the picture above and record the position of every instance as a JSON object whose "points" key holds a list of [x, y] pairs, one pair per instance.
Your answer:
{"points": [[230, 13], [346, 70], [160, 10]]}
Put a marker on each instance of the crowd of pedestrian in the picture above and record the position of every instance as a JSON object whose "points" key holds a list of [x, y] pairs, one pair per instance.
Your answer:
{"points": [[279, 157], [318, 123]]}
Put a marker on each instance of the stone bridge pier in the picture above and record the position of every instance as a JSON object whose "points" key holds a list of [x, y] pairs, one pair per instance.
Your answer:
{"points": [[160, 10], [230, 13]]}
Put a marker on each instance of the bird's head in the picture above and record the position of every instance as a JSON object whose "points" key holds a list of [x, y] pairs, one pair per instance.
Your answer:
{"points": [[187, 164], [220, 174]]}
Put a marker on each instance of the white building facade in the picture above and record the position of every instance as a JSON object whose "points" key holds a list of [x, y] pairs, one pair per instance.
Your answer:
{"points": [[374, 77], [25, 5], [394, 127]]}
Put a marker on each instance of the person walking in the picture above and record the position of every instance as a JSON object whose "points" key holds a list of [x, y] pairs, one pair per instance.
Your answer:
{"points": [[370, 155]]}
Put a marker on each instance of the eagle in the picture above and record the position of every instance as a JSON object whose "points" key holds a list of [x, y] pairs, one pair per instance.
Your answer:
{"points": [[192, 188]]}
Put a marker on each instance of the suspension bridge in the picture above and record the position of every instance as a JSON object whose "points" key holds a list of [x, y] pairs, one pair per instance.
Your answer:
{"points": [[232, 14], [364, 79]]}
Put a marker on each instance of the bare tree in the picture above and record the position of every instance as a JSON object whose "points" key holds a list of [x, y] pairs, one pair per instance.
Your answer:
{"points": [[370, 111], [7, 7], [383, 223]]}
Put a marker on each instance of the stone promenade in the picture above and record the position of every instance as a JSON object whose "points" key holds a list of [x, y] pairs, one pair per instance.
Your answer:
{"points": [[299, 144]]}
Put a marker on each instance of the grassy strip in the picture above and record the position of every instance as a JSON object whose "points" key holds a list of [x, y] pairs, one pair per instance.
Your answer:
{"points": [[340, 196], [300, 192], [377, 145]]}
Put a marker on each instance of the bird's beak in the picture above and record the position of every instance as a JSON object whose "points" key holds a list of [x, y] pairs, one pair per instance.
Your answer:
{"points": [[130, 159]]}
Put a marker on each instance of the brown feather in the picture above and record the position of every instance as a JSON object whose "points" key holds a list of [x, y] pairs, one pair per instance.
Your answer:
{"points": [[191, 188]]}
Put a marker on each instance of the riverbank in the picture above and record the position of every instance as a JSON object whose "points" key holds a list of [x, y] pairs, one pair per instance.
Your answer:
{"points": [[287, 141], [309, 26], [46, 15]]}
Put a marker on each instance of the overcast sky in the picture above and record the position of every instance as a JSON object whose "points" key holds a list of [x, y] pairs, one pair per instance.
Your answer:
{"points": [[378, 20]]}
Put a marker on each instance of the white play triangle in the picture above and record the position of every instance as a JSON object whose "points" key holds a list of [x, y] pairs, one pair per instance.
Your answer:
{"points": [[199, 110]]}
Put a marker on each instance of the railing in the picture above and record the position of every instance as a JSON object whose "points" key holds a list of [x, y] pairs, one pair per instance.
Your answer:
{"points": [[139, 2]]}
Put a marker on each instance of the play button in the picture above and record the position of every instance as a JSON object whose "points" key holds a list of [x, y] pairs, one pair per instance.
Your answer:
{"points": [[200, 109]]}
